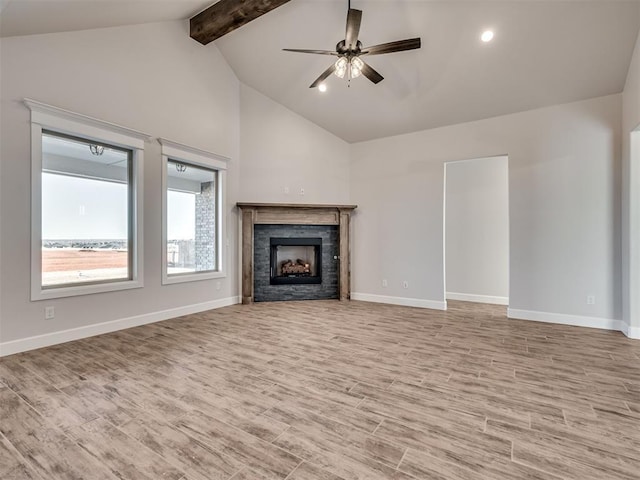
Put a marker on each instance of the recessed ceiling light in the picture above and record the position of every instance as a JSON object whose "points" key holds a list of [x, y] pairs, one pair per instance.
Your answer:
{"points": [[486, 36], [322, 87]]}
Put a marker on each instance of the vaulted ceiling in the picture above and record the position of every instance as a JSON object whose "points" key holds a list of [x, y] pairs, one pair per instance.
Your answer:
{"points": [[543, 53]]}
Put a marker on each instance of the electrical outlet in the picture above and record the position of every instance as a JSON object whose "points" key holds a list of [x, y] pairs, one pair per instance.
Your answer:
{"points": [[218, 285], [405, 284], [49, 313], [384, 282], [285, 190], [591, 299], [301, 191]]}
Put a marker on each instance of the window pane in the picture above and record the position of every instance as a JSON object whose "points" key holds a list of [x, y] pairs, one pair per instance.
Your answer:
{"points": [[85, 212], [191, 218]]}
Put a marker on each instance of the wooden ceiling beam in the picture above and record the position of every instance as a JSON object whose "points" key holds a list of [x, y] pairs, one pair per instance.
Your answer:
{"points": [[227, 15]]}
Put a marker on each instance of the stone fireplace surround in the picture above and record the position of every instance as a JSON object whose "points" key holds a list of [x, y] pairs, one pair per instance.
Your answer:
{"points": [[325, 289], [253, 214]]}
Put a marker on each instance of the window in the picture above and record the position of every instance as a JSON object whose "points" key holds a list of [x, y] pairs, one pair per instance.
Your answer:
{"points": [[86, 212], [86, 196], [193, 184]]}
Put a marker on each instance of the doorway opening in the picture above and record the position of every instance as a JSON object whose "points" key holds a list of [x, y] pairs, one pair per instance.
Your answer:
{"points": [[476, 230]]}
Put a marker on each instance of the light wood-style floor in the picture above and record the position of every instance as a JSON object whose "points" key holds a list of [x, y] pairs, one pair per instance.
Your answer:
{"points": [[326, 390]]}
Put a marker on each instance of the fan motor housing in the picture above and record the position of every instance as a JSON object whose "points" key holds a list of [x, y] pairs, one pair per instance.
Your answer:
{"points": [[342, 48]]}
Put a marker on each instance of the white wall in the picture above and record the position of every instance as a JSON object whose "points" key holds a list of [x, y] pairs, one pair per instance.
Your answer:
{"points": [[631, 196], [281, 149], [152, 78], [564, 183], [477, 230]]}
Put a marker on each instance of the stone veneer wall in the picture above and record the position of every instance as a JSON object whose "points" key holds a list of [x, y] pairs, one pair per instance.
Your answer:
{"points": [[265, 292], [205, 227]]}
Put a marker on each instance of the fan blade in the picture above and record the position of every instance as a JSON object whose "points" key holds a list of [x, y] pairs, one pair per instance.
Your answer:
{"points": [[371, 74], [324, 76], [354, 17], [391, 47], [317, 52]]}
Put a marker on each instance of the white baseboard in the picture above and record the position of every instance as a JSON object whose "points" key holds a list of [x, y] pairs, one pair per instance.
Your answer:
{"points": [[406, 302], [469, 297], [631, 332], [54, 338], [575, 320]]}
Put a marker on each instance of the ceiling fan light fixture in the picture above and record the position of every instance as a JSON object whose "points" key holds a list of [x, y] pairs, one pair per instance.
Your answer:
{"points": [[341, 67], [356, 67], [322, 87], [348, 51]]}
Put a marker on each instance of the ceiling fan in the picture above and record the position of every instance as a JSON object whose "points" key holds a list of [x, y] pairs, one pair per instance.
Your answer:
{"points": [[350, 50]]}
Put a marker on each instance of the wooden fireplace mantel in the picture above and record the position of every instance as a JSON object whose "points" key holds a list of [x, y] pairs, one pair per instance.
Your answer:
{"points": [[294, 214]]}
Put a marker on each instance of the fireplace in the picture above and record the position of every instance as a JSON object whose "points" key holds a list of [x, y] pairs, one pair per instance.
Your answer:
{"points": [[295, 261], [318, 274]]}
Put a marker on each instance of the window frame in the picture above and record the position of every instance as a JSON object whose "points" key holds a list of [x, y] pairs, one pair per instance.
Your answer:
{"points": [[177, 152], [64, 122]]}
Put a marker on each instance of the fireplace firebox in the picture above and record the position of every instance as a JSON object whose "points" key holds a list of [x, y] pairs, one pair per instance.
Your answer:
{"points": [[296, 261]]}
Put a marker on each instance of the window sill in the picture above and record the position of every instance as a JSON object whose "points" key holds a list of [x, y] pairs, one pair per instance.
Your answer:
{"points": [[191, 277], [73, 291]]}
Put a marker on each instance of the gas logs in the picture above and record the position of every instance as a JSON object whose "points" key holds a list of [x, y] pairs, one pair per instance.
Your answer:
{"points": [[299, 267]]}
